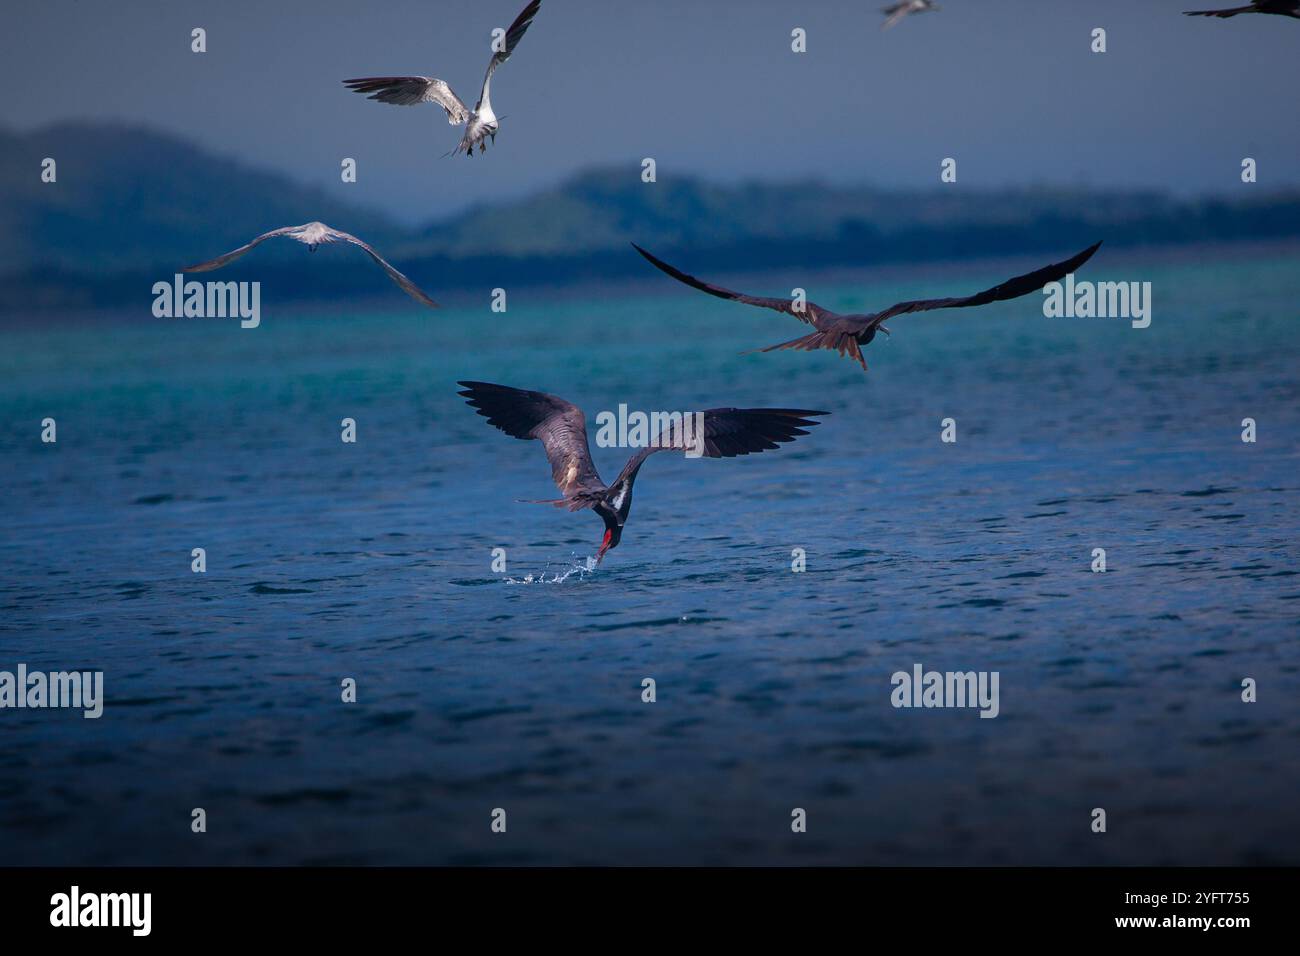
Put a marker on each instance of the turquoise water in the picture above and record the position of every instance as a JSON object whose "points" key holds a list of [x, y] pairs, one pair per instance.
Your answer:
{"points": [[522, 690]]}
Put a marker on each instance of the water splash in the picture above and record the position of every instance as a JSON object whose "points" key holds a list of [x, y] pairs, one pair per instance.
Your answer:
{"points": [[582, 568]]}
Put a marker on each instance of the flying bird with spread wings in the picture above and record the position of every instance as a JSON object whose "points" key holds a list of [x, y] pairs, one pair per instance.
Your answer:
{"points": [[562, 429], [895, 12], [1282, 8], [313, 234], [847, 334], [481, 123]]}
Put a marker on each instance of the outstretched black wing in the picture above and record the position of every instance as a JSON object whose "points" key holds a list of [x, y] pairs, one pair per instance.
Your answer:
{"points": [[1011, 289], [557, 424], [813, 314], [728, 432], [1284, 8]]}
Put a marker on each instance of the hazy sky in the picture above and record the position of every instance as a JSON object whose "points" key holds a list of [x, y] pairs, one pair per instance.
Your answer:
{"points": [[1008, 87]]}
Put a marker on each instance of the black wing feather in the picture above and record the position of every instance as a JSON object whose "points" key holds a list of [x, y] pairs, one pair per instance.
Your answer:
{"points": [[559, 425], [811, 313], [731, 432], [1011, 289]]}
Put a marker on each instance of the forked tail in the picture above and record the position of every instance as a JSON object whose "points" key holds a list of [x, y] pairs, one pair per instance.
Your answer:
{"points": [[842, 342]]}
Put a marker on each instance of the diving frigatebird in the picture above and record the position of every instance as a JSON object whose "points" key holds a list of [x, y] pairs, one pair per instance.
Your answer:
{"points": [[481, 123], [562, 429], [1282, 8], [847, 334], [313, 234]]}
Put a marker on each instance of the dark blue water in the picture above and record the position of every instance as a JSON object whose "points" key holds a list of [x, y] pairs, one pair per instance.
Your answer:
{"points": [[522, 690]]}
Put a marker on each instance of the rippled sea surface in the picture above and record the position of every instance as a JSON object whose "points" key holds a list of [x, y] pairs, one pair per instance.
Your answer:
{"points": [[522, 690]]}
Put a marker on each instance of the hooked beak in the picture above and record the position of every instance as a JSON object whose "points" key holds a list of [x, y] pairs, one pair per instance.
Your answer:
{"points": [[604, 546]]}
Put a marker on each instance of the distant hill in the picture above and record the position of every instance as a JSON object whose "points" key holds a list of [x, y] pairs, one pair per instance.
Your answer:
{"points": [[131, 204], [601, 210], [130, 198]]}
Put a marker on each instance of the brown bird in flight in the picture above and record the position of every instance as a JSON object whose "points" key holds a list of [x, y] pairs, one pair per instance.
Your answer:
{"points": [[562, 429], [1282, 8], [847, 334]]}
